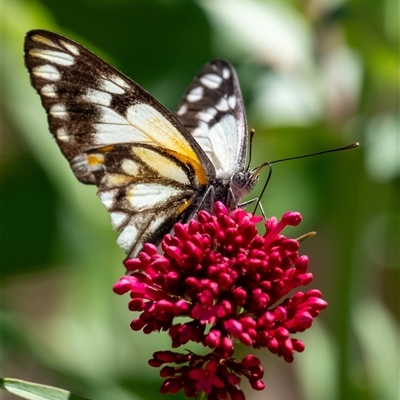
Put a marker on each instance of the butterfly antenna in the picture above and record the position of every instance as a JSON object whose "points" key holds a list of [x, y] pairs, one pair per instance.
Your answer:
{"points": [[349, 146], [252, 133], [258, 202], [258, 169]]}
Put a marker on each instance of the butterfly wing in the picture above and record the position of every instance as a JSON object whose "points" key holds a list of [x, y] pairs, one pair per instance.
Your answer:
{"points": [[212, 111], [149, 171]]}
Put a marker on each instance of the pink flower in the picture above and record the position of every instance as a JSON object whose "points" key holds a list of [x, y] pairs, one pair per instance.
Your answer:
{"points": [[232, 285]]}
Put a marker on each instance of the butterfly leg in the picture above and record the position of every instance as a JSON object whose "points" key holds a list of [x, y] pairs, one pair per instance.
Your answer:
{"points": [[258, 204], [206, 202]]}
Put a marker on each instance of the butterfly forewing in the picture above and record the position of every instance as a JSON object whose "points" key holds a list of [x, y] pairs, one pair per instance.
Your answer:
{"points": [[149, 171], [213, 112]]}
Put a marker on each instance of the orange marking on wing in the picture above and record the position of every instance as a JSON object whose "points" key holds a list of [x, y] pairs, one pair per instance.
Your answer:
{"points": [[199, 171], [105, 149], [94, 159], [183, 207]]}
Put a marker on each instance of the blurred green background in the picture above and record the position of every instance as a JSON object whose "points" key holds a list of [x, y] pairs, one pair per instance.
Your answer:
{"points": [[315, 75]]}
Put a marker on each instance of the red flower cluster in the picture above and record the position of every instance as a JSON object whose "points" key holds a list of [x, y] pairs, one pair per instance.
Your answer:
{"points": [[214, 376], [231, 284]]}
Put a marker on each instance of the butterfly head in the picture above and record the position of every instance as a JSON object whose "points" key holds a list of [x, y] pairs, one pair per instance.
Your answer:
{"points": [[243, 182]]}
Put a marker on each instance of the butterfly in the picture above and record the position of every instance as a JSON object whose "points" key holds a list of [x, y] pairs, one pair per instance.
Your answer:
{"points": [[152, 168]]}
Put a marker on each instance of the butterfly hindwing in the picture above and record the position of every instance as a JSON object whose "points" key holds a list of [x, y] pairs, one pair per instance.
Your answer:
{"points": [[213, 112], [149, 171], [145, 191]]}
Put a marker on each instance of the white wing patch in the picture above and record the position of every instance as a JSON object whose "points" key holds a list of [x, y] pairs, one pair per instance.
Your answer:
{"points": [[113, 129], [98, 97], [62, 134], [143, 124], [144, 196], [107, 197], [207, 115], [223, 148], [111, 87], [195, 94], [109, 116], [47, 72], [222, 105], [56, 57], [182, 110], [58, 111], [118, 219], [120, 82], [140, 197], [226, 74], [48, 90], [128, 236], [130, 167], [232, 102], [212, 81], [113, 133], [70, 47]]}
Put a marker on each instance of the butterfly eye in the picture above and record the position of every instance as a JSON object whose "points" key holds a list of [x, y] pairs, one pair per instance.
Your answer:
{"points": [[239, 180]]}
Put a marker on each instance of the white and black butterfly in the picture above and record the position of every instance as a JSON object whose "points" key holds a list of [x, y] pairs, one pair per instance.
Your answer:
{"points": [[152, 168]]}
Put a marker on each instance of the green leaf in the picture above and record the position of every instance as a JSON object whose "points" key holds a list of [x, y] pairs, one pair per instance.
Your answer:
{"points": [[34, 391]]}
